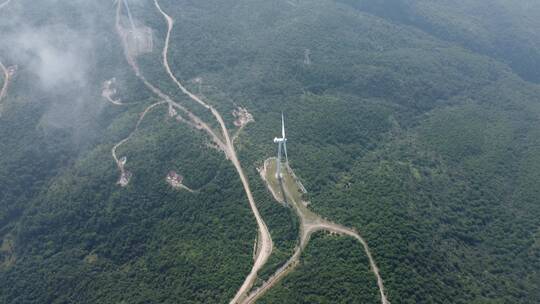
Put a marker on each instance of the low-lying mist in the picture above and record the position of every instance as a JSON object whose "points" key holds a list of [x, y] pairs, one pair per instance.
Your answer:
{"points": [[63, 51]]}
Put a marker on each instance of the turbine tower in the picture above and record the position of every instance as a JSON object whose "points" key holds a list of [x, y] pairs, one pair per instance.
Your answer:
{"points": [[282, 145]]}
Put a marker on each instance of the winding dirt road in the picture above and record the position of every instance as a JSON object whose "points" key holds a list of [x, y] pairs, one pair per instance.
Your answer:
{"points": [[309, 224], [193, 119], [123, 141], [265, 244]]}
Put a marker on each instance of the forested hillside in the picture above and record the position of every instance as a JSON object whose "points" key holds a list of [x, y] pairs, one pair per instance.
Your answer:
{"points": [[416, 123]]}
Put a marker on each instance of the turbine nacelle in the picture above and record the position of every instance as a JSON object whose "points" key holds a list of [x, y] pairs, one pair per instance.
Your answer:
{"points": [[282, 147]]}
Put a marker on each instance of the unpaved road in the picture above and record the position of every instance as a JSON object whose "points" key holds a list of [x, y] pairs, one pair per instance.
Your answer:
{"points": [[347, 231], [309, 224], [265, 244], [192, 120], [123, 141], [170, 24]]}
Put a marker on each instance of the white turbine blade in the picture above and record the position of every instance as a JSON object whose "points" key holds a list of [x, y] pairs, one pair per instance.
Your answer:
{"points": [[285, 150], [282, 126]]}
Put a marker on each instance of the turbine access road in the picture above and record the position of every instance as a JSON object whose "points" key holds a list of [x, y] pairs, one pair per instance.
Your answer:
{"points": [[265, 244], [310, 222], [287, 191], [194, 120], [123, 141]]}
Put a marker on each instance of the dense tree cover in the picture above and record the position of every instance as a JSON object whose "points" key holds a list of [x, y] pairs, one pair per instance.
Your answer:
{"points": [[70, 234], [333, 270], [500, 28], [415, 122]]}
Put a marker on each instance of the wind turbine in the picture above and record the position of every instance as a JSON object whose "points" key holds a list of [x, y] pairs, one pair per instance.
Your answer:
{"points": [[282, 145]]}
